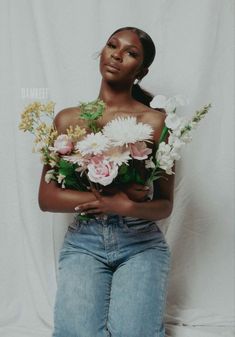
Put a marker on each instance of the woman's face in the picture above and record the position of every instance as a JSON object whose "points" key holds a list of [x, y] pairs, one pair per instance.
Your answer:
{"points": [[121, 58]]}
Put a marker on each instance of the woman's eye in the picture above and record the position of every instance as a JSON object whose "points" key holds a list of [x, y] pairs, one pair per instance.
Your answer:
{"points": [[132, 54], [111, 45]]}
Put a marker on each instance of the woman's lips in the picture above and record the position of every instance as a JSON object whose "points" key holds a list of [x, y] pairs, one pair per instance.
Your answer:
{"points": [[112, 67]]}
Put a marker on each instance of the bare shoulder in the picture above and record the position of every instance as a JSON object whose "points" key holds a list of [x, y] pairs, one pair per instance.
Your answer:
{"points": [[156, 118], [66, 117]]}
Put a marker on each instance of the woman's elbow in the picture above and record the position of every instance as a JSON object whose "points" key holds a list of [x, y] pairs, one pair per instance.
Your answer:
{"points": [[169, 208], [43, 205], [44, 200]]}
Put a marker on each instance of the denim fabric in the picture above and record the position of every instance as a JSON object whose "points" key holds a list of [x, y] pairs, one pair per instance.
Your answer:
{"points": [[112, 280]]}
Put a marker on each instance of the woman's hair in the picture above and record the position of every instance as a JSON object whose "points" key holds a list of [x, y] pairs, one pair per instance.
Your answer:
{"points": [[149, 53]]}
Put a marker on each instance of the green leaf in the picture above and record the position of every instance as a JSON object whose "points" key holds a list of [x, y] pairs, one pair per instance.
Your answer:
{"points": [[139, 180], [66, 168], [73, 179], [123, 169]]}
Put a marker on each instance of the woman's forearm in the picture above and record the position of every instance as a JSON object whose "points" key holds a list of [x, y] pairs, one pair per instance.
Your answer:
{"points": [[52, 198], [150, 210], [63, 200]]}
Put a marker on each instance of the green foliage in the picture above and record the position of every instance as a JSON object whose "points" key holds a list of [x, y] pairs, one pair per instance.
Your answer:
{"points": [[163, 134], [72, 178], [91, 112], [128, 174]]}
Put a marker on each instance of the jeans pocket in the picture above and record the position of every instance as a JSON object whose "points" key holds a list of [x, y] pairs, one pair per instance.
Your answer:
{"points": [[135, 225], [76, 225]]}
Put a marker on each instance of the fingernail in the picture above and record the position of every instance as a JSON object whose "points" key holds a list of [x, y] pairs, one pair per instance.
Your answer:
{"points": [[146, 188], [76, 208]]}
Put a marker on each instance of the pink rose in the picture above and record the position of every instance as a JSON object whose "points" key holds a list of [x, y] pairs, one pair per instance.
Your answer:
{"points": [[139, 150], [63, 144], [102, 171]]}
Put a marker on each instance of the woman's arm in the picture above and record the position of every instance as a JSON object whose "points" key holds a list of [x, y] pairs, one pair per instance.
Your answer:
{"points": [[158, 208], [51, 197], [162, 204]]}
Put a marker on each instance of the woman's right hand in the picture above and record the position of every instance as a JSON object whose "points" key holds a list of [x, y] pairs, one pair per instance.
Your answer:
{"points": [[136, 192]]}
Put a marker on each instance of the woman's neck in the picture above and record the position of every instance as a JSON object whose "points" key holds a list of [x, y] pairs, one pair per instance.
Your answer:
{"points": [[115, 96]]}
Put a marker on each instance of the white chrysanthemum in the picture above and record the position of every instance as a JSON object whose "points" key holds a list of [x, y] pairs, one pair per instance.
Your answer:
{"points": [[118, 155], [94, 143], [124, 130]]}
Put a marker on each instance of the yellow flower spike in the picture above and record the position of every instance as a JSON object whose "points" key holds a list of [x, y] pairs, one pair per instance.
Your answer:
{"points": [[75, 133]]}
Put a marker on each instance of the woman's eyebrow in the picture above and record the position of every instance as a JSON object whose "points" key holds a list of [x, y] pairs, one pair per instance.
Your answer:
{"points": [[128, 45]]}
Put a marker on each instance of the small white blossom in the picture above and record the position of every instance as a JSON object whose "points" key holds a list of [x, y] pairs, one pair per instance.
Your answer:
{"points": [[169, 104], [149, 164], [173, 121], [175, 154], [175, 141], [60, 178], [49, 176], [164, 158], [186, 137], [52, 163], [158, 101]]}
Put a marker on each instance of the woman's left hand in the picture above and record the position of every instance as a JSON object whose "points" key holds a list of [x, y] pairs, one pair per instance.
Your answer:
{"points": [[118, 203]]}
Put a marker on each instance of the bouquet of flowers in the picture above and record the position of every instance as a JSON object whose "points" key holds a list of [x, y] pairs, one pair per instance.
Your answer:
{"points": [[84, 157]]}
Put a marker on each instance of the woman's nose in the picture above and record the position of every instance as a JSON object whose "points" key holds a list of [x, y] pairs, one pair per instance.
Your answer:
{"points": [[116, 54]]}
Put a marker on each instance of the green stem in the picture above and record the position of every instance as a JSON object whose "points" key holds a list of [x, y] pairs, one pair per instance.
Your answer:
{"points": [[163, 134]]}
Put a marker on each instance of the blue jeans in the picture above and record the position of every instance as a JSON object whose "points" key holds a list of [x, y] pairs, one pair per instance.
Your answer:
{"points": [[112, 279]]}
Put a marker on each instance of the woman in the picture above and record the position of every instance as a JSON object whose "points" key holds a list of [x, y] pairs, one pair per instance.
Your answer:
{"points": [[113, 270]]}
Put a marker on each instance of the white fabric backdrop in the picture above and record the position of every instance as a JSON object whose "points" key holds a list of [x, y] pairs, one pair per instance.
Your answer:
{"points": [[51, 45]]}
